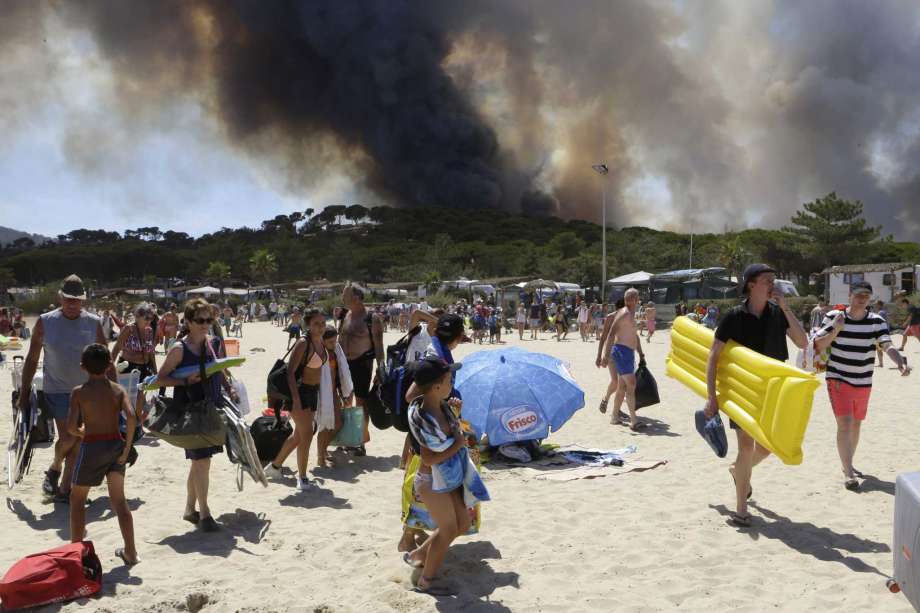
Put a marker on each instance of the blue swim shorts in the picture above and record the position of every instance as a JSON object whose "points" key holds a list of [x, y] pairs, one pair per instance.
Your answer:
{"points": [[624, 358], [58, 405]]}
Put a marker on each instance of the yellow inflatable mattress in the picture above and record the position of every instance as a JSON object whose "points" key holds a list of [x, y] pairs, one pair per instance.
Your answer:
{"points": [[768, 399]]}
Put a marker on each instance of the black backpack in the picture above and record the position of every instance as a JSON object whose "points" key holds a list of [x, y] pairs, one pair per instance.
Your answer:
{"points": [[269, 434], [387, 405]]}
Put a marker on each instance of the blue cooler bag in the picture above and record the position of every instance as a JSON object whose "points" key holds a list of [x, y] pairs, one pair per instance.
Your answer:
{"points": [[352, 432]]}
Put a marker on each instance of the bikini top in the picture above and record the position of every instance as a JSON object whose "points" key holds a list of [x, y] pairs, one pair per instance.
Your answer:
{"points": [[316, 361], [136, 344]]}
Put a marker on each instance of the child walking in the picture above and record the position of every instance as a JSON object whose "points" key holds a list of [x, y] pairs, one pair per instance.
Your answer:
{"points": [[98, 404], [447, 480]]}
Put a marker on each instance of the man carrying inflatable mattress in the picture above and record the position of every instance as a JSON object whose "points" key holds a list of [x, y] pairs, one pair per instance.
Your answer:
{"points": [[760, 325]]}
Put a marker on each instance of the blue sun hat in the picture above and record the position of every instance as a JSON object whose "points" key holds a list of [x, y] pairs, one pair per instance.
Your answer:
{"points": [[713, 432]]}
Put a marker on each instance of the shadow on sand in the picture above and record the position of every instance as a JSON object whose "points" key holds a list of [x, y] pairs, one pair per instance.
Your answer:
{"points": [[805, 537], [58, 516], [240, 525]]}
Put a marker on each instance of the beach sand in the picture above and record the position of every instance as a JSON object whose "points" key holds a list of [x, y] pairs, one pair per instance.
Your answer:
{"points": [[643, 541]]}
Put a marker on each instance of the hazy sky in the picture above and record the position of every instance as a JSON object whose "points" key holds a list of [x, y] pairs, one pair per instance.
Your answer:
{"points": [[712, 114]]}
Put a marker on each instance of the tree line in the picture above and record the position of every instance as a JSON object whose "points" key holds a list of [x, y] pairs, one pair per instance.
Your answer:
{"points": [[427, 245]]}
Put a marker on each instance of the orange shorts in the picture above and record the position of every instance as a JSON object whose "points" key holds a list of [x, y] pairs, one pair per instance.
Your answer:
{"points": [[848, 399]]}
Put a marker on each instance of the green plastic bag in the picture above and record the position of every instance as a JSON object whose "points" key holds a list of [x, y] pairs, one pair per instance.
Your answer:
{"points": [[352, 432]]}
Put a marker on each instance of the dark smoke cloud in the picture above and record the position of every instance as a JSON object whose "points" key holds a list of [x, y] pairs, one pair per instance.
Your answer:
{"points": [[739, 112]]}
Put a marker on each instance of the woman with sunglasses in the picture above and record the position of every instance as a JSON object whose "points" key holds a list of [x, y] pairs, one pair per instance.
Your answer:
{"points": [[136, 345], [304, 370], [187, 352]]}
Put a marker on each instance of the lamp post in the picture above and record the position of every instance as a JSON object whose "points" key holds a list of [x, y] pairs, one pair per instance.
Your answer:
{"points": [[602, 170]]}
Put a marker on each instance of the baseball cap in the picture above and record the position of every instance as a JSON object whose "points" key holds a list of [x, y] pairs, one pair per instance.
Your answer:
{"points": [[450, 325], [431, 368], [753, 271], [861, 287], [73, 288]]}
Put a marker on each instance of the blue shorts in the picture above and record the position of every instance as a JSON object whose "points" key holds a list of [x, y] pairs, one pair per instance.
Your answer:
{"points": [[624, 358], [58, 405]]}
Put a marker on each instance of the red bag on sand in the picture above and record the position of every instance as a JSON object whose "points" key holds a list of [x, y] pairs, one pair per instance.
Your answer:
{"points": [[63, 573]]}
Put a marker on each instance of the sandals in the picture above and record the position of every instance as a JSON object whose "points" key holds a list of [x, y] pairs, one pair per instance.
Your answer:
{"points": [[193, 518], [639, 425], [851, 484], [603, 406], [741, 521], [208, 525], [407, 558], [120, 552], [433, 589]]}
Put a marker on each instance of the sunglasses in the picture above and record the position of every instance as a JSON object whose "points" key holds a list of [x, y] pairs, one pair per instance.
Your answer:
{"points": [[202, 321]]}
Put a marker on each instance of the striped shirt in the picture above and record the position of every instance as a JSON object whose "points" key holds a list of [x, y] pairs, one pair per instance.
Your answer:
{"points": [[852, 360]]}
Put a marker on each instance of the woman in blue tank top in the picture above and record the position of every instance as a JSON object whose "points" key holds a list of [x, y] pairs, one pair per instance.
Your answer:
{"points": [[198, 318]]}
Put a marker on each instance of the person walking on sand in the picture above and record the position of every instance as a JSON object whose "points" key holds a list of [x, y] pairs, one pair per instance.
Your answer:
{"points": [[59, 338], [520, 319], [535, 319], [911, 323], [619, 344], [817, 315], [650, 322], [447, 480], [137, 347], [361, 336], [93, 419], [584, 314], [761, 325], [199, 319], [852, 335]]}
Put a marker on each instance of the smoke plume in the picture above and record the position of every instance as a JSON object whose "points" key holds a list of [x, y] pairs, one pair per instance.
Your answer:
{"points": [[710, 114]]}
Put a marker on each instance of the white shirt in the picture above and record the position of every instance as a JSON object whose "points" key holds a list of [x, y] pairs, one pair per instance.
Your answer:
{"points": [[419, 345]]}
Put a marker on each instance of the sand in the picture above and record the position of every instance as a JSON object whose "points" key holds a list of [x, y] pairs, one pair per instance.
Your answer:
{"points": [[641, 541]]}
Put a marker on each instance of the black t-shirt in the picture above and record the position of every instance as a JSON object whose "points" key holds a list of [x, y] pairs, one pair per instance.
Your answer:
{"points": [[765, 334], [535, 311]]}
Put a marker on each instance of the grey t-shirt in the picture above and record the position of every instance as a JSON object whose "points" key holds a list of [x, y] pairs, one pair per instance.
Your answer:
{"points": [[64, 341]]}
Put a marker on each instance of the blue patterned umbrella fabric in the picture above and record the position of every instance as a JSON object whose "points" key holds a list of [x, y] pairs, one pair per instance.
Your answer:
{"points": [[515, 395]]}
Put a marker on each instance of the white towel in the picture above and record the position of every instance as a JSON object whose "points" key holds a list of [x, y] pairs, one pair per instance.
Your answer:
{"points": [[325, 412]]}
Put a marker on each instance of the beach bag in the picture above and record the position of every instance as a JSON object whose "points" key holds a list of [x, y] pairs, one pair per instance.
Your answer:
{"points": [[351, 434], [43, 431], [57, 575], [192, 425], [646, 387], [387, 406], [269, 434], [277, 382]]}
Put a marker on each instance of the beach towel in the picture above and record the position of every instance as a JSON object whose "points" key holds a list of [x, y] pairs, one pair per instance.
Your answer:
{"points": [[414, 512], [598, 457], [457, 470], [325, 412]]}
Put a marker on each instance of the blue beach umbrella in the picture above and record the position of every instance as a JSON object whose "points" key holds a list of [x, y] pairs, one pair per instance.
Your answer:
{"points": [[515, 395]]}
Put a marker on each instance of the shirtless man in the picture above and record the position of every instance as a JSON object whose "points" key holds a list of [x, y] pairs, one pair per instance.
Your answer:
{"points": [[620, 332], [361, 337], [169, 328]]}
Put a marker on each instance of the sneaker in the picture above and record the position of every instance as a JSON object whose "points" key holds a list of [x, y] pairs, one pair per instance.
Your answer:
{"points": [[304, 484], [50, 484], [271, 472]]}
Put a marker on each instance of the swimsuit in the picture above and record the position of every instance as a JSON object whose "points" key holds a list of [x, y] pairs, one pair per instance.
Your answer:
{"points": [[624, 358], [98, 457]]}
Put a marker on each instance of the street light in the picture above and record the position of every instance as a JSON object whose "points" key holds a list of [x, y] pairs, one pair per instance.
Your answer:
{"points": [[602, 170]]}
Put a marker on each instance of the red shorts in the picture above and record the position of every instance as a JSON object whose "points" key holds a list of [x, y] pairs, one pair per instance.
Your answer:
{"points": [[848, 399], [913, 331]]}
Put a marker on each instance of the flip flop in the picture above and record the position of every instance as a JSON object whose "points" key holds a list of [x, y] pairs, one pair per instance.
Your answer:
{"points": [[603, 406], [641, 425], [851, 484], [434, 590], [193, 518], [413, 563], [120, 552], [741, 521]]}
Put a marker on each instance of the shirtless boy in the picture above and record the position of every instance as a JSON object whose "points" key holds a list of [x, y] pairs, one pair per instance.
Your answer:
{"points": [[97, 405], [619, 342]]}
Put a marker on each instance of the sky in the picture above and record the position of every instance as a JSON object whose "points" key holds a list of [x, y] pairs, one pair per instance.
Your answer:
{"points": [[712, 114]]}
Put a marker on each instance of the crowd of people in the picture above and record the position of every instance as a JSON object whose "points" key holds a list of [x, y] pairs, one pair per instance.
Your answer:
{"points": [[331, 363]]}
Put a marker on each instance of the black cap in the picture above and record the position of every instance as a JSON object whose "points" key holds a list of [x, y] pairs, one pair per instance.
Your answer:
{"points": [[431, 368], [861, 286], [753, 271], [73, 288], [449, 326]]}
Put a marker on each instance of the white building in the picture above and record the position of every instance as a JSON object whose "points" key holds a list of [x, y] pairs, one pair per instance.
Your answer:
{"points": [[886, 280]]}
